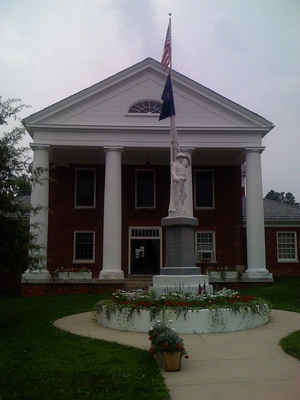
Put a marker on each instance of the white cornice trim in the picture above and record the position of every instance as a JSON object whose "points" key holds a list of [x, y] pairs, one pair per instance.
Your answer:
{"points": [[39, 146], [259, 149], [113, 148], [31, 127]]}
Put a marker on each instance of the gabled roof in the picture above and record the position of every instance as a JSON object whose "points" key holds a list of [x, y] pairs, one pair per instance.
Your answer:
{"points": [[148, 64], [277, 213]]}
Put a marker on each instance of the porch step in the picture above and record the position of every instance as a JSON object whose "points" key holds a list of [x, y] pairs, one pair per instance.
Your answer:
{"points": [[138, 282]]}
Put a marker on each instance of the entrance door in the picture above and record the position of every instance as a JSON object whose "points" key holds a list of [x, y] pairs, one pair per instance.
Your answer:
{"points": [[144, 251]]}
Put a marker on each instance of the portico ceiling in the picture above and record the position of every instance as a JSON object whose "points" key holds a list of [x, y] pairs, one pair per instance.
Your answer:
{"points": [[150, 156]]}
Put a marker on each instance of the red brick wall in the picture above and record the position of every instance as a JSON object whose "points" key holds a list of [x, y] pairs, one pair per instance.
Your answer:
{"points": [[64, 219], [272, 264], [279, 268], [225, 219]]}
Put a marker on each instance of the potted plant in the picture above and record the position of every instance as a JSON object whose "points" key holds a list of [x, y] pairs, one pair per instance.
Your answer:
{"points": [[167, 346]]}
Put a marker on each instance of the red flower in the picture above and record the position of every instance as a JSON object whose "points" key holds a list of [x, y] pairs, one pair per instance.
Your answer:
{"points": [[186, 356]]}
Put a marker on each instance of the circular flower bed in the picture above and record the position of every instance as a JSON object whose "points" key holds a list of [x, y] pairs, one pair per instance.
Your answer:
{"points": [[223, 311]]}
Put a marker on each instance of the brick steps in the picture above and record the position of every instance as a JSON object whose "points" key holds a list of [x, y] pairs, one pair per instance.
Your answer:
{"points": [[138, 282]]}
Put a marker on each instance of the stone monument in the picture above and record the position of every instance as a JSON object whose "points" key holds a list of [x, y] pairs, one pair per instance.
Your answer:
{"points": [[180, 223], [180, 271]]}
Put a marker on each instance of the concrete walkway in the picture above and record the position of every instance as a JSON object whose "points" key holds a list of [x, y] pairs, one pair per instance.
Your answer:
{"points": [[246, 365]]}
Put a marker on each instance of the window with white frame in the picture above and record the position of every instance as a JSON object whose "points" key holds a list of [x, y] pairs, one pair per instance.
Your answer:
{"points": [[84, 247], [205, 247], [85, 188], [144, 188], [287, 247], [204, 188]]}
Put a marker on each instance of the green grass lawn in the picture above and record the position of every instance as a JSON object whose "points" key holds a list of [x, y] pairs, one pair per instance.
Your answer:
{"points": [[39, 361], [284, 294]]}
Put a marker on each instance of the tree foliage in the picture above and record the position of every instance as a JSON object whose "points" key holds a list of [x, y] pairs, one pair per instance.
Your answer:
{"points": [[15, 181], [9, 109], [14, 171], [282, 197]]}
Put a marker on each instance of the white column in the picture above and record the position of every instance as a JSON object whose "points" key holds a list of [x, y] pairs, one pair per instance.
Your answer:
{"points": [[112, 224], [39, 219], [256, 254]]}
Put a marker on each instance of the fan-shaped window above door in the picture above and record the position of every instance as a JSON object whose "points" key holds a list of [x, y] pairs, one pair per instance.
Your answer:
{"points": [[145, 107]]}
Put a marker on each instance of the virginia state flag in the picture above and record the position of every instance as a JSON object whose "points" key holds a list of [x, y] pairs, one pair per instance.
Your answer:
{"points": [[168, 107]]}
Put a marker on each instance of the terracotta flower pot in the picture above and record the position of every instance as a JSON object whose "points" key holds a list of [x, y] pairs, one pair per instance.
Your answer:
{"points": [[172, 361]]}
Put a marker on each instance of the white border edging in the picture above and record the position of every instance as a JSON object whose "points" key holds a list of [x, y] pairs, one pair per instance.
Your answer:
{"points": [[195, 321], [80, 275]]}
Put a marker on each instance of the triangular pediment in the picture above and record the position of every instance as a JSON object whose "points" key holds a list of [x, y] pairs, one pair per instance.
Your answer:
{"points": [[106, 104]]}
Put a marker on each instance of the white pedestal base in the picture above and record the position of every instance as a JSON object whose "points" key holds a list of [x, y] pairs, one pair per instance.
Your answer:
{"points": [[163, 284]]}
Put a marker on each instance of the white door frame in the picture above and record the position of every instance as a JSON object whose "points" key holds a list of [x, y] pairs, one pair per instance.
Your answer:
{"points": [[141, 233]]}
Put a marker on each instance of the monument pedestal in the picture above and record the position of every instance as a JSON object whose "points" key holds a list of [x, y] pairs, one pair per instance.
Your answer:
{"points": [[180, 272], [163, 284], [180, 246]]}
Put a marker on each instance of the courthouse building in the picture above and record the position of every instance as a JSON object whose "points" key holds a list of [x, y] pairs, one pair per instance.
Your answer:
{"points": [[108, 158]]}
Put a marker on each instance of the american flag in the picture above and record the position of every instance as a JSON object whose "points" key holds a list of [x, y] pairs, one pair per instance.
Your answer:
{"points": [[166, 57]]}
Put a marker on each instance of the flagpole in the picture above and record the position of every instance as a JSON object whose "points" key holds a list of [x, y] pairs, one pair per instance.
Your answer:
{"points": [[174, 145], [168, 108], [174, 139]]}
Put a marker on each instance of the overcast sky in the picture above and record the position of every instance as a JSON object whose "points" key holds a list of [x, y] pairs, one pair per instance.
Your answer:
{"points": [[246, 50]]}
